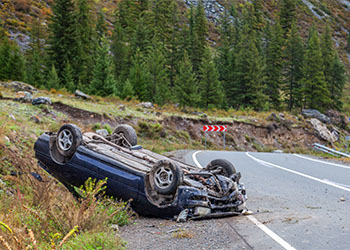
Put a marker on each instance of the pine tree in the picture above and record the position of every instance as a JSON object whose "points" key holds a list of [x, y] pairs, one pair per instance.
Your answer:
{"points": [[200, 34], [287, 16], [210, 87], [53, 82], [167, 30], [247, 88], [316, 93], [68, 81], [259, 20], [35, 69], [101, 26], [120, 51], [186, 85], [274, 66], [142, 36], [337, 82], [226, 45], [129, 11], [5, 54], [140, 77], [12, 64], [294, 55], [63, 35], [86, 47], [36, 58], [159, 86], [327, 55], [103, 82], [127, 91]]}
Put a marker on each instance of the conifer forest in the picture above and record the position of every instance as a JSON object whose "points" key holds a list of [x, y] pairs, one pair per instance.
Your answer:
{"points": [[156, 51]]}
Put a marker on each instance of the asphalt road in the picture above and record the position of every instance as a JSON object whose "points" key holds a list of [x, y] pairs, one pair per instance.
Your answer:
{"points": [[298, 203]]}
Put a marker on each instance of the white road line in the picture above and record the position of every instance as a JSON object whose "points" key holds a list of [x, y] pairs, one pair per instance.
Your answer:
{"points": [[298, 173], [274, 236], [194, 158], [324, 162], [264, 228]]}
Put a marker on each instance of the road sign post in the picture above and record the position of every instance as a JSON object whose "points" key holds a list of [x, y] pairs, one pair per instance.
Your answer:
{"points": [[215, 128]]}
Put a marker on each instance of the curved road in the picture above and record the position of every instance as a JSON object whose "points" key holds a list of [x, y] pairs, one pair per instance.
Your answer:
{"points": [[298, 202]]}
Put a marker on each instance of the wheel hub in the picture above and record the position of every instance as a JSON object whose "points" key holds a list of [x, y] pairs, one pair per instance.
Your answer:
{"points": [[163, 177], [65, 140]]}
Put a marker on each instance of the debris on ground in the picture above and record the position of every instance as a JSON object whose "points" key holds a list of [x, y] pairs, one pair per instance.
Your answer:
{"points": [[121, 107], [23, 96], [41, 100], [82, 95], [342, 199], [182, 216], [35, 119], [12, 117]]}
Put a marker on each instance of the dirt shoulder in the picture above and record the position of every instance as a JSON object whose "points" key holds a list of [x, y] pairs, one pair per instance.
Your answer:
{"points": [[151, 233]]}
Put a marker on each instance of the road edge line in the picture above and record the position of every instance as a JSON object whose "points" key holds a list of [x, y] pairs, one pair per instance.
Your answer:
{"points": [[328, 182], [270, 233], [264, 228], [324, 162]]}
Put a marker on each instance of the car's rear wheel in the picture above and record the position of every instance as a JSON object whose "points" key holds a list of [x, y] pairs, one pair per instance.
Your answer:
{"points": [[165, 177], [68, 139], [126, 134], [221, 166]]}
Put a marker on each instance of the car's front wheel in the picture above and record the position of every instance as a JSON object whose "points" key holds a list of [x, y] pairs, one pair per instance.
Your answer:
{"points": [[221, 166], [165, 177]]}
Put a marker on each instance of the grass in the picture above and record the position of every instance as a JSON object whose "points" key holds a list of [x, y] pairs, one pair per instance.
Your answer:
{"points": [[45, 215]]}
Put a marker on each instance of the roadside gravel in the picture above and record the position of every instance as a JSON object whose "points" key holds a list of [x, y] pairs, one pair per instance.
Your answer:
{"points": [[158, 234]]}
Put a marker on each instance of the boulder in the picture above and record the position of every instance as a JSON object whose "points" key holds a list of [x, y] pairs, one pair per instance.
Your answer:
{"points": [[19, 86], [314, 113], [81, 94], [322, 131], [23, 96], [147, 105], [337, 118], [41, 100]]}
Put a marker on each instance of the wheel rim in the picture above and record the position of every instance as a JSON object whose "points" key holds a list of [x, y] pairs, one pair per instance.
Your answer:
{"points": [[65, 140], [163, 177]]}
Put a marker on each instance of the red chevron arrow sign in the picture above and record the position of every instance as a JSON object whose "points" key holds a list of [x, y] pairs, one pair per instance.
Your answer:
{"points": [[215, 128]]}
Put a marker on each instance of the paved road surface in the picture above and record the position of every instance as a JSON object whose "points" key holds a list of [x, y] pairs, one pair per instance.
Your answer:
{"points": [[296, 199]]}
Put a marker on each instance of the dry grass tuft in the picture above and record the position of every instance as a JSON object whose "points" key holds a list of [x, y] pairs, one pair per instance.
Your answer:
{"points": [[182, 234]]}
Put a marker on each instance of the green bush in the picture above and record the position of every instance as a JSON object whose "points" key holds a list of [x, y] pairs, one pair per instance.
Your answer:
{"points": [[95, 241]]}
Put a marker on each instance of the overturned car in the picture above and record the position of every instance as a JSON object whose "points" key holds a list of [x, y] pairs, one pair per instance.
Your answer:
{"points": [[157, 185]]}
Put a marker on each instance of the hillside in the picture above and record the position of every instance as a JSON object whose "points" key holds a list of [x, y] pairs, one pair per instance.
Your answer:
{"points": [[17, 16], [45, 214]]}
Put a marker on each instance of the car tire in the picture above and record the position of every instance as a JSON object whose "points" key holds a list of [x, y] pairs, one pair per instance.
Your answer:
{"points": [[128, 132], [165, 177], [68, 139], [224, 166]]}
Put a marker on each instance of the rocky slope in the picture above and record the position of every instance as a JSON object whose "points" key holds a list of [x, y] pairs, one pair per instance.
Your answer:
{"points": [[171, 128]]}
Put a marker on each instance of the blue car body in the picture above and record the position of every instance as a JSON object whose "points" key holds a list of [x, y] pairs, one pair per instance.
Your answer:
{"points": [[126, 182]]}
